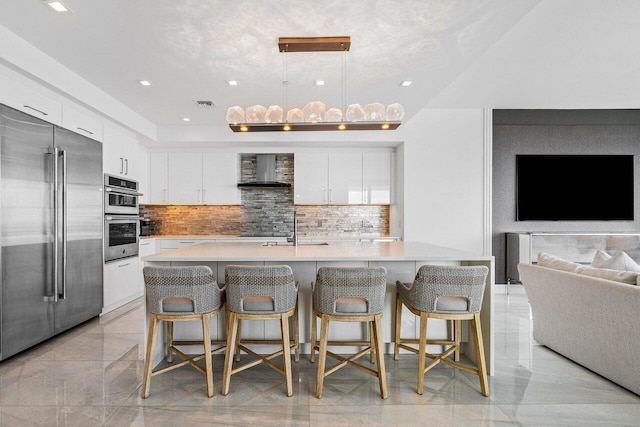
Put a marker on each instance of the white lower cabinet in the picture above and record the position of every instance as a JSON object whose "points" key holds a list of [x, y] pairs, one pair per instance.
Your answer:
{"points": [[122, 283]]}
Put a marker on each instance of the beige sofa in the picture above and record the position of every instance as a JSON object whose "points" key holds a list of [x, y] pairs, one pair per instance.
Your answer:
{"points": [[592, 321]]}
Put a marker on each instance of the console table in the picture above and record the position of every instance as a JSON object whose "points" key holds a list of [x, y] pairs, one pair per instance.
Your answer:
{"points": [[576, 247]]}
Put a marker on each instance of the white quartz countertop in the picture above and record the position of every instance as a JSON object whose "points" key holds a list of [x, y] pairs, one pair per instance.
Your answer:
{"points": [[334, 251]]}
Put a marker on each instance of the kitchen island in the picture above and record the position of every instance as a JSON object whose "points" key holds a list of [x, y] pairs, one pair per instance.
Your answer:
{"points": [[401, 259]]}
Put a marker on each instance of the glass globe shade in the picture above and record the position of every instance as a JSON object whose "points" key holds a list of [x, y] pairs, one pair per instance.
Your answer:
{"points": [[235, 115], [255, 114]]}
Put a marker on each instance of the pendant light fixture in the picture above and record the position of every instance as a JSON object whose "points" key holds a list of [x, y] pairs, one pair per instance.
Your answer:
{"points": [[313, 116]]}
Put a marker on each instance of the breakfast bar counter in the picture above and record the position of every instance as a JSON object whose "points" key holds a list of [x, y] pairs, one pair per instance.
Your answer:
{"points": [[401, 259]]}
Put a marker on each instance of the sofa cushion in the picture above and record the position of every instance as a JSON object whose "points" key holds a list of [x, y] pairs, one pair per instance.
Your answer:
{"points": [[620, 261], [628, 277], [557, 263]]}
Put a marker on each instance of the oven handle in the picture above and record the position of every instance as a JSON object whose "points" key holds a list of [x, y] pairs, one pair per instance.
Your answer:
{"points": [[122, 218]]}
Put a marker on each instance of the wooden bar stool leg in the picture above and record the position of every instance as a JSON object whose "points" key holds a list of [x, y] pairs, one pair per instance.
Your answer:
{"points": [[314, 333], [206, 337], [232, 330], [398, 324], [296, 333], [479, 348], [422, 349], [457, 325], [382, 373], [169, 341], [148, 360], [372, 353], [286, 352], [322, 355], [238, 337]]}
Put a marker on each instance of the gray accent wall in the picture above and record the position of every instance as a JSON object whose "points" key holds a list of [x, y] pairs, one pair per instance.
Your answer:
{"points": [[539, 132]]}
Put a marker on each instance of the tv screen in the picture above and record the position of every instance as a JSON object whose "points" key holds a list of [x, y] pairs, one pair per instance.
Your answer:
{"points": [[574, 187]]}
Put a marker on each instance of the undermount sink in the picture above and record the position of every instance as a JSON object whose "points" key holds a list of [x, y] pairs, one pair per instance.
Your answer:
{"points": [[291, 244]]}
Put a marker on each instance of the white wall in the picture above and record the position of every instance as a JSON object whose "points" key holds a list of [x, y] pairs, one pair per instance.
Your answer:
{"points": [[444, 178]]}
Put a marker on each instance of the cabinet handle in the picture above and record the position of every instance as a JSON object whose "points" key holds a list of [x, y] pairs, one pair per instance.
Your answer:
{"points": [[85, 130], [121, 164], [324, 195], [35, 109], [124, 265], [126, 166], [204, 193], [330, 199]]}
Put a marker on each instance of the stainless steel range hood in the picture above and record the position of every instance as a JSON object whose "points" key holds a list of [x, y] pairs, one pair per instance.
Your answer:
{"points": [[265, 173]]}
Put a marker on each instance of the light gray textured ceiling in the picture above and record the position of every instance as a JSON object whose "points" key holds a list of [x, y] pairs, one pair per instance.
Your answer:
{"points": [[458, 53]]}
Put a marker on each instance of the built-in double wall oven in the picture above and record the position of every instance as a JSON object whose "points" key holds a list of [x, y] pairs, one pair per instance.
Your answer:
{"points": [[121, 218]]}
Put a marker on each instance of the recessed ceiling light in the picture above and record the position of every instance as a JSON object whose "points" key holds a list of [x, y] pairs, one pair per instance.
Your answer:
{"points": [[233, 83], [144, 83], [57, 6], [406, 83], [186, 119], [319, 82]]}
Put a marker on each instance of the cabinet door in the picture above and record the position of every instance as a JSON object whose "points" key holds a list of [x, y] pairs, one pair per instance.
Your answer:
{"points": [[134, 158], [345, 178], [158, 178], [311, 172], [185, 178], [121, 282], [376, 178], [23, 98], [81, 123], [220, 179], [112, 158], [139, 168]]}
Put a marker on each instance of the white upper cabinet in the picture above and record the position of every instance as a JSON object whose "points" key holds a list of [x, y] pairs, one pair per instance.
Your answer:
{"points": [[376, 178], [122, 156], [16, 95], [185, 178], [342, 178], [345, 178], [220, 179], [81, 123], [311, 178], [158, 178], [194, 178]]}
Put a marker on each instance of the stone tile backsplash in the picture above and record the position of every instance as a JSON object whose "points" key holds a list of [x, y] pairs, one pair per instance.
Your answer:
{"points": [[267, 212]]}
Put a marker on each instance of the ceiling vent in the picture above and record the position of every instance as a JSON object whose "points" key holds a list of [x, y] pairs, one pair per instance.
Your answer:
{"points": [[205, 104]]}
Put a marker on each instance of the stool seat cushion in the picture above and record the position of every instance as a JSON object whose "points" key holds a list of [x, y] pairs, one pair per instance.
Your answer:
{"points": [[258, 303], [177, 305], [351, 305], [452, 304]]}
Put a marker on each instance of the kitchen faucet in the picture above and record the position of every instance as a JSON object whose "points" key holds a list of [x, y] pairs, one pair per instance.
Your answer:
{"points": [[294, 238]]}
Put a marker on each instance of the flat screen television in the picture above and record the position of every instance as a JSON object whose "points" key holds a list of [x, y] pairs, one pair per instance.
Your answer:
{"points": [[574, 188]]}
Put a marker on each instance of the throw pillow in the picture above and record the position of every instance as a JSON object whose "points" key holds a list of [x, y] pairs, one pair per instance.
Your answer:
{"points": [[557, 263], [621, 261], [628, 277], [599, 258]]}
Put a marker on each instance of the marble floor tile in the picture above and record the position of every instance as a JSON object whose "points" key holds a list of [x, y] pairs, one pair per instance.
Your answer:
{"points": [[92, 375]]}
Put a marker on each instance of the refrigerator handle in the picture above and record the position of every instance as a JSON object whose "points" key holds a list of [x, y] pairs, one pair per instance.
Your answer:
{"points": [[63, 295], [53, 151]]}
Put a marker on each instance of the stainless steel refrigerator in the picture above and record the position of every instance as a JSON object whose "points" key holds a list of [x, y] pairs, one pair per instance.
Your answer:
{"points": [[51, 219]]}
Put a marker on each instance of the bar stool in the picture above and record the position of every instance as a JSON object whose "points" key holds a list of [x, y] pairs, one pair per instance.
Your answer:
{"points": [[261, 293], [349, 294], [444, 292], [178, 294]]}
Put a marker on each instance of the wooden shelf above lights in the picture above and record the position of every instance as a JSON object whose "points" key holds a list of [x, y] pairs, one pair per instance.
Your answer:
{"points": [[314, 44], [319, 126]]}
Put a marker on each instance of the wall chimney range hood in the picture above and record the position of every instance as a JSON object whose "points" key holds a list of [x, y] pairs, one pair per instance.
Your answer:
{"points": [[265, 173]]}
